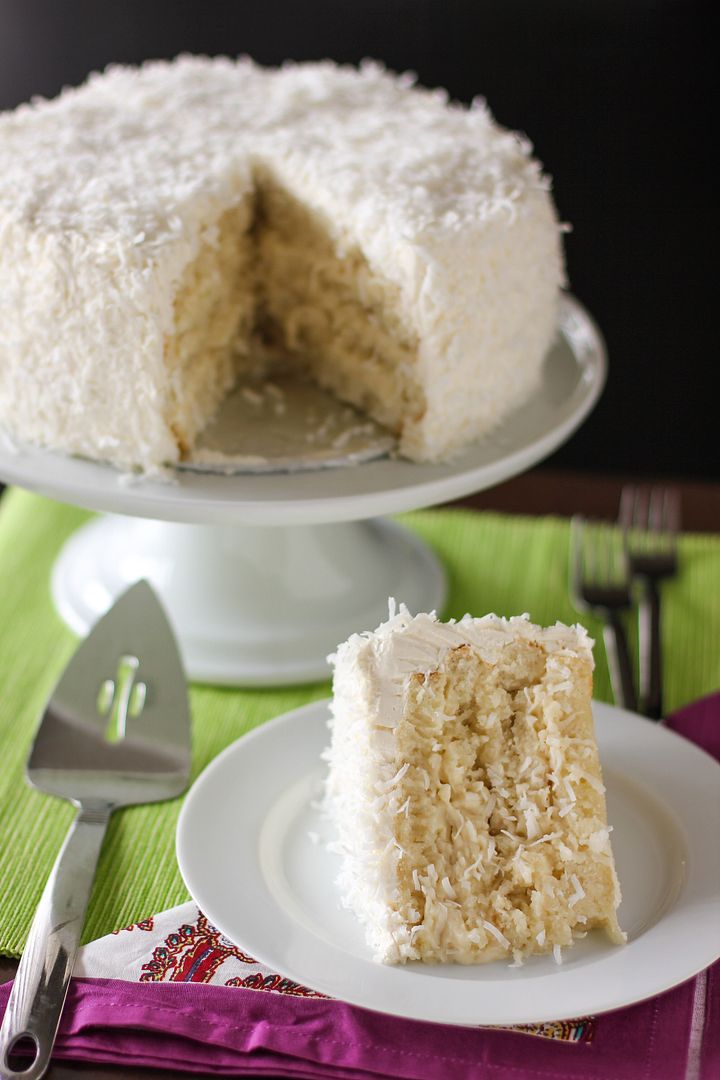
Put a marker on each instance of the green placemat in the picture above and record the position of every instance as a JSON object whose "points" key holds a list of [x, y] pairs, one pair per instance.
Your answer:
{"points": [[494, 563]]}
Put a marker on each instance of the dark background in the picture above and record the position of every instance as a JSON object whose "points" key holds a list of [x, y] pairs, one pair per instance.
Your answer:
{"points": [[614, 95]]}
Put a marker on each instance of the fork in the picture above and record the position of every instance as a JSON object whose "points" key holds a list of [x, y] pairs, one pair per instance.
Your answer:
{"points": [[600, 586], [650, 520], [116, 731]]}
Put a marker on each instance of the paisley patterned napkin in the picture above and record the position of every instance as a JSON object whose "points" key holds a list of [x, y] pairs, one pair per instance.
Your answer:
{"points": [[171, 992]]}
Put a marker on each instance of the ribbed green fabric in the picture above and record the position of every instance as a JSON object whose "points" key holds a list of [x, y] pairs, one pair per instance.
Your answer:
{"points": [[494, 563]]}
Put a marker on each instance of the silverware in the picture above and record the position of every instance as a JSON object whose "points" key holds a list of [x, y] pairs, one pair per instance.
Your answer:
{"points": [[600, 586], [650, 519], [116, 731]]}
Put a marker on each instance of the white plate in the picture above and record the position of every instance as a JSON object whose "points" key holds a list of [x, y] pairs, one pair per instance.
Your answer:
{"points": [[573, 377], [246, 851]]}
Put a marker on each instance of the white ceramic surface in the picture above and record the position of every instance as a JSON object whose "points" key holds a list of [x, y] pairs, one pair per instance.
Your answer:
{"points": [[256, 606], [574, 375], [277, 900]]}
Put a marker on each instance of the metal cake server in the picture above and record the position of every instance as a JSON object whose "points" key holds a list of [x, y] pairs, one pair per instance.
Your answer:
{"points": [[116, 731]]}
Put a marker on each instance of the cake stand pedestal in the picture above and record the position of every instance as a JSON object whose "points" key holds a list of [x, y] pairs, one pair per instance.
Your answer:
{"points": [[251, 605], [263, 575]]}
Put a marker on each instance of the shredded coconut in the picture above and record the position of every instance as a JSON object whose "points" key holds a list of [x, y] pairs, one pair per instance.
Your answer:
{"points": [[497, 934], [579, 893]]}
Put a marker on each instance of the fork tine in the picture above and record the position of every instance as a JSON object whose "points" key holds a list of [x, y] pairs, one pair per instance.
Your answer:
{"points": [[628, 505], [596, 554], [599, 585], [574, 561], [620, 563], [672, 512], [577, 561], [644, 507], [606, 555], [656, 511], [591, 553], [650, 518], [650, 509]]}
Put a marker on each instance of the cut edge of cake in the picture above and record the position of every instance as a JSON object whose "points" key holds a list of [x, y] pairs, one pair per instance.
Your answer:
{"points": [[466, 790]]}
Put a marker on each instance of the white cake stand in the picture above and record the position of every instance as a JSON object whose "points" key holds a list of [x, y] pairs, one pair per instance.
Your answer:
{"points": [[263, 575]]}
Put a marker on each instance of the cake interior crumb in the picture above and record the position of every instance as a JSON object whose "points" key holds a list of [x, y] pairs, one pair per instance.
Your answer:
{"points": [[501, 820], [270, 285]]}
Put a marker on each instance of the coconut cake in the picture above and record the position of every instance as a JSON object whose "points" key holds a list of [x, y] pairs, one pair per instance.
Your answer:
{"points": [[165, 228], [466, 791]]}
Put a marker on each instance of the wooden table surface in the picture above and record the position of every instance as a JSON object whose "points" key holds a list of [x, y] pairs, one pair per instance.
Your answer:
{"points": [[542, 490]]}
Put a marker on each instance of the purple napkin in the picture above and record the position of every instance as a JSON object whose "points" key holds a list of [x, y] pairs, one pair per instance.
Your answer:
{"points": [[238, 1031]]}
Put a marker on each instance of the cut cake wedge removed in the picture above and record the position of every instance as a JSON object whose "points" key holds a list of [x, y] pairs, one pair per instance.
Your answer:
{"points": [[465, 786]]}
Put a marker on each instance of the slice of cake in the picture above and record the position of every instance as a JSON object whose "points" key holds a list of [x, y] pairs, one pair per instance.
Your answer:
{"points": [[466, 789], [164, 227]]}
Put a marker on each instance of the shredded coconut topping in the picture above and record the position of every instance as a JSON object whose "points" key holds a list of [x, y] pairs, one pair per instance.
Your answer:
{"points": [[500, 937]]}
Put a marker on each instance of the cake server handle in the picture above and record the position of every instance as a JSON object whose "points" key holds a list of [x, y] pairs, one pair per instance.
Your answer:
{"points": [[36, 1001]]}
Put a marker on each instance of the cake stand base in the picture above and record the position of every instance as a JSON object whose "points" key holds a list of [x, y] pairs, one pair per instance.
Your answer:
{"points": [[251, 605]]}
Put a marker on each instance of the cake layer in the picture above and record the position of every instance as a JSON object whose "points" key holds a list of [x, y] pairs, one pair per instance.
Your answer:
{"points": [[424, 243], [334, 314], [467, 792]]}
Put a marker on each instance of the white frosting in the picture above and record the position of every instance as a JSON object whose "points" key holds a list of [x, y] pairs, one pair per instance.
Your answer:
{"points": [[109, 191], [405, 644]]}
